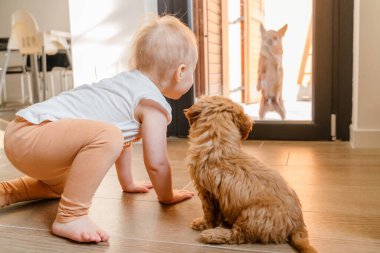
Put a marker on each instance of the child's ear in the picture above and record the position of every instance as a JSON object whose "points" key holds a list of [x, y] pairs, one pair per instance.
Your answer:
{"points": [[179, 72], [283, 30]]}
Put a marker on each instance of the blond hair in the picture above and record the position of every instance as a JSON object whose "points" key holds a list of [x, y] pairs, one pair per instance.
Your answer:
{"points": [[162, 45]]}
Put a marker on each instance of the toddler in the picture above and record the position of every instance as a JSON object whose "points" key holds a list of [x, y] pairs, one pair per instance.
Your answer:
{"points": [[66, 145]]}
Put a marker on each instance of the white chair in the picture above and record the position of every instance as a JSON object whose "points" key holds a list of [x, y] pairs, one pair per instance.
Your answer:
{"points": [[54, 41], [13, 67], [26, 37]]}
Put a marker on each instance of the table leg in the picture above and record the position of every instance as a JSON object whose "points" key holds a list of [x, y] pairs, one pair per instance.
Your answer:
{"points": [[35, 78], [3, 74], [44, 79]]}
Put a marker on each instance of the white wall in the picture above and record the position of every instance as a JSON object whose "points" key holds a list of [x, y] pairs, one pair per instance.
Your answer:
{"points": [[101, 30], [50, 14], [101, 34], [365, 127]]}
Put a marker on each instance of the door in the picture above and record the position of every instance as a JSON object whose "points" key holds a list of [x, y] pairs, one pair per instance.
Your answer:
{"points": [[307, 49], [312, 62], [182, 9]]}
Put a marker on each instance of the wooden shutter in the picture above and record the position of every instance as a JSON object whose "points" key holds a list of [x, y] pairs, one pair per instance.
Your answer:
{"points": [[253, 13], [209, 20]]}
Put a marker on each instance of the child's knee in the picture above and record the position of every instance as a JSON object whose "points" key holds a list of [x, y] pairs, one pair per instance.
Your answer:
{"points": [[113, 139]]}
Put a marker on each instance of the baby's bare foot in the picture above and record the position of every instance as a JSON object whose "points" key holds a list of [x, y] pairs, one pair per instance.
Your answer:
{"points": [[138, 187], [82, 229]]}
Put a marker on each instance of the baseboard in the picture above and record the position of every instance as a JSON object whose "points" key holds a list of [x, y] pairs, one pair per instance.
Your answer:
{"points": [[364, 138]]}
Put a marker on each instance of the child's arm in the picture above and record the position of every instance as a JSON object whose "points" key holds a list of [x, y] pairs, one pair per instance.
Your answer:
{"points": [[154, 127], [124, 173]]}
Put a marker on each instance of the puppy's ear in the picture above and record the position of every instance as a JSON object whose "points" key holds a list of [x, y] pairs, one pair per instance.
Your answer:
{"points": [[192, 113], [282, 31], [244, 123]]}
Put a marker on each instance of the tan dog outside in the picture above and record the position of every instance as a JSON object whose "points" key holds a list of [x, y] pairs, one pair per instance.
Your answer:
{"points": [[270, 72], [243, 200]]}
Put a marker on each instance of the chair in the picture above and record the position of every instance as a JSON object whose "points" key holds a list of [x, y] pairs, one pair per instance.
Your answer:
{"points": [[28, 40], [14, 67], [53, 42], [24, 38]]}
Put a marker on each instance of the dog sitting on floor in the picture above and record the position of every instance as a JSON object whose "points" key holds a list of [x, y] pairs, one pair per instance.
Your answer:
{"points": [[243, 200], [270, 72]]}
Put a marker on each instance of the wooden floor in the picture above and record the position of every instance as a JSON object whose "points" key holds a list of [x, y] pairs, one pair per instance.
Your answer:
{"points": [[339, 188]]}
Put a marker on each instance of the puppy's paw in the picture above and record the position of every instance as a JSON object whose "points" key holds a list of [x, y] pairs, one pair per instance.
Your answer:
{"points": [[199, 224], [216, 235]]}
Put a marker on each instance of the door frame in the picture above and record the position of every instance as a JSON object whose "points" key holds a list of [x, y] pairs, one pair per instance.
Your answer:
{"points": [[343, 66], [322, 68], [332, 72], [181, 9], [332, 65]]}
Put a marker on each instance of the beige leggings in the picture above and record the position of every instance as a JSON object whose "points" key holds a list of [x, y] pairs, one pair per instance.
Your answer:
{"points": [[64, 159]]}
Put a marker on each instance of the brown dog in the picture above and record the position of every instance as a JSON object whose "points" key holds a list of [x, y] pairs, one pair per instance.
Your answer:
{"points": [[243, 200], [270, 73]]}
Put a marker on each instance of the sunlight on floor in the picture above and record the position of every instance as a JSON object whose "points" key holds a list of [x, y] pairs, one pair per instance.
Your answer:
{"points": [[295, 110]]}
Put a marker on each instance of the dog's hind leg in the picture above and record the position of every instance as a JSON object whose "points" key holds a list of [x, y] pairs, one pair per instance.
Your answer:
{"points": [[212, 216], [279, 107], [263, 109], [217, 235], [222, 235], [251, 226]]}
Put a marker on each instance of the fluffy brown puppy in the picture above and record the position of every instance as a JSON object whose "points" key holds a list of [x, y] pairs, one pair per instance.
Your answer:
{"points": [[243, 200]]}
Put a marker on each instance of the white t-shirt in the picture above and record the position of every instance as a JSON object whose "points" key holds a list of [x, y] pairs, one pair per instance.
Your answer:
{"points": [[111, 100]]}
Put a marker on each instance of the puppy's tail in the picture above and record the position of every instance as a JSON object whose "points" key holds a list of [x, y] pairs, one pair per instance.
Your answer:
{"points": [[299, 240]]}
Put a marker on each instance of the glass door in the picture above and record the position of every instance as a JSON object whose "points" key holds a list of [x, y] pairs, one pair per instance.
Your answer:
{"points": [[273, 79], [280, 66], [309, 71]]}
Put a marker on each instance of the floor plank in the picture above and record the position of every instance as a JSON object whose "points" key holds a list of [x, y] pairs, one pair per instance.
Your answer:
{"points": [[338, 187]]}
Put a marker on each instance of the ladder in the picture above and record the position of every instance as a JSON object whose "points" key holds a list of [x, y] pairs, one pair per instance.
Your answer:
{"points": [[305, 73]]}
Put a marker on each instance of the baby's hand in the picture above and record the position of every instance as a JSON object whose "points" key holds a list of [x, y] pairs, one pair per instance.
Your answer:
{"points": [[180, 195], [138, 187]]}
